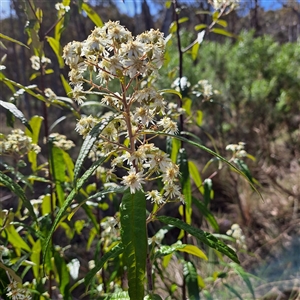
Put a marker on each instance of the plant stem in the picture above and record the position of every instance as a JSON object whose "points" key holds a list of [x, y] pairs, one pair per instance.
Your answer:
{"points": [[181, 121], [49, 154], [149, 273], [180, 53], [126, 115], [99, 236]]}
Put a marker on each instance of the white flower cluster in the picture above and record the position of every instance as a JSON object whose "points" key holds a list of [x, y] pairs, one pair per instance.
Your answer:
{"points": [[18, 143], [36, 62], [61, 7], [237, 233], [60, 141], [145, 163], [3, 250], [205, 89], [108, 226], [181, 84], [137, 109], [111, 51], [50, 94], [222, 4], [237, 149], [85, 124], [17, 293]]}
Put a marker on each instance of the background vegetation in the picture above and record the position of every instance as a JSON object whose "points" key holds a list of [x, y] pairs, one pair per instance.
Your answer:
{"points": [[254, 72]]}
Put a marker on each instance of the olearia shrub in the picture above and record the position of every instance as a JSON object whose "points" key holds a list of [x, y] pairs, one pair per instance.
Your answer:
{"points": [[139, 167], [124, 139]]}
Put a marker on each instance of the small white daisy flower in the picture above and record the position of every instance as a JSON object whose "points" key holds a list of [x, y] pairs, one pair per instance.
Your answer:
{"points": [[133, 180]]}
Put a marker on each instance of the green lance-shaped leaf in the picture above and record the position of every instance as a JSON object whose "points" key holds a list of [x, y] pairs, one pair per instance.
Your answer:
{"points": [[11, 272], [22, 260], [69, 200], [63, 275], [88, 144], [35, 257], [202, 236], [16, 240], [194, 250], [114, 189], [55, 45], [221, 158], [216, 15], [232, 290], [169, 145], [195, 50], [37, 74], [223, 32], [245, 276], [191, 249], [182, 160], [35, 123], [3, 36], [175, 146], [10, 82], [191, 280], [91, 217], [92, 15], [200, 26], [10, 119], [206, 213], [187, 104], [166, 250], [58, 170], [16, 112], [195, 175], [207, 295], [223, 23], [117, 189], [170, 91], [63, 22], [3, 47], [69, 164], [199, 117], [65, 84], [114, 252], [15, 188], [183, 20], [197, 43], [173, 27], [168, 4], [19, 177], [134, 239], [244, 168]]}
